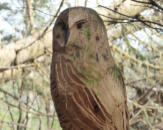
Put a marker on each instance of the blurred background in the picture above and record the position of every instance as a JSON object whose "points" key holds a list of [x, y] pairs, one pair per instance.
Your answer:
{"points": [[135, 35]]}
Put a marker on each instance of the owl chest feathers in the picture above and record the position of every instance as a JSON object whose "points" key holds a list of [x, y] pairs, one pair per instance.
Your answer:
{"points": [[71, 84]]}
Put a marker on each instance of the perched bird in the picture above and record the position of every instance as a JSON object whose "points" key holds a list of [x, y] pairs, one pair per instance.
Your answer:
{"points": [[86, 86]]}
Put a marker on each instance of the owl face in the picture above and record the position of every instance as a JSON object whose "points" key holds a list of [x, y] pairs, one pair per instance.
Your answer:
{"points": [[80, 35], [77, 27]]}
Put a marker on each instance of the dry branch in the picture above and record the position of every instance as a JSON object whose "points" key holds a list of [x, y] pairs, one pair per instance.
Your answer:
{"points": [[10, 56], [126, 7]]}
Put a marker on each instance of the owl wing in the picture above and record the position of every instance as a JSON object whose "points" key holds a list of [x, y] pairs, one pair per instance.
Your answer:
{"points": [[112, 95], [80, 107]]}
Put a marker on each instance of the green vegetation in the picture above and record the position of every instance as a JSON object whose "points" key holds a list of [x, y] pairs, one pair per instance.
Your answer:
{"points": [[86, 31]]}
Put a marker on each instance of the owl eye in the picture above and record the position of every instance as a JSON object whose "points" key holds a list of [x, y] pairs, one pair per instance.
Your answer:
{"points": [[80, 23], [64, 27]]}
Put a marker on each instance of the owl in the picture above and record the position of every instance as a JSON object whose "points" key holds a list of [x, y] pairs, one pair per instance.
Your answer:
{"points": [[86, 86]]}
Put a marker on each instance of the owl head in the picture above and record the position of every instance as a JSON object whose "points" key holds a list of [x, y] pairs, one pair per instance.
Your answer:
{"points": [[80, 32]]}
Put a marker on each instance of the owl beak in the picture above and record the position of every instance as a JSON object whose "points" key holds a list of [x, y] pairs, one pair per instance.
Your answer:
{"points": [[67, 36]]}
